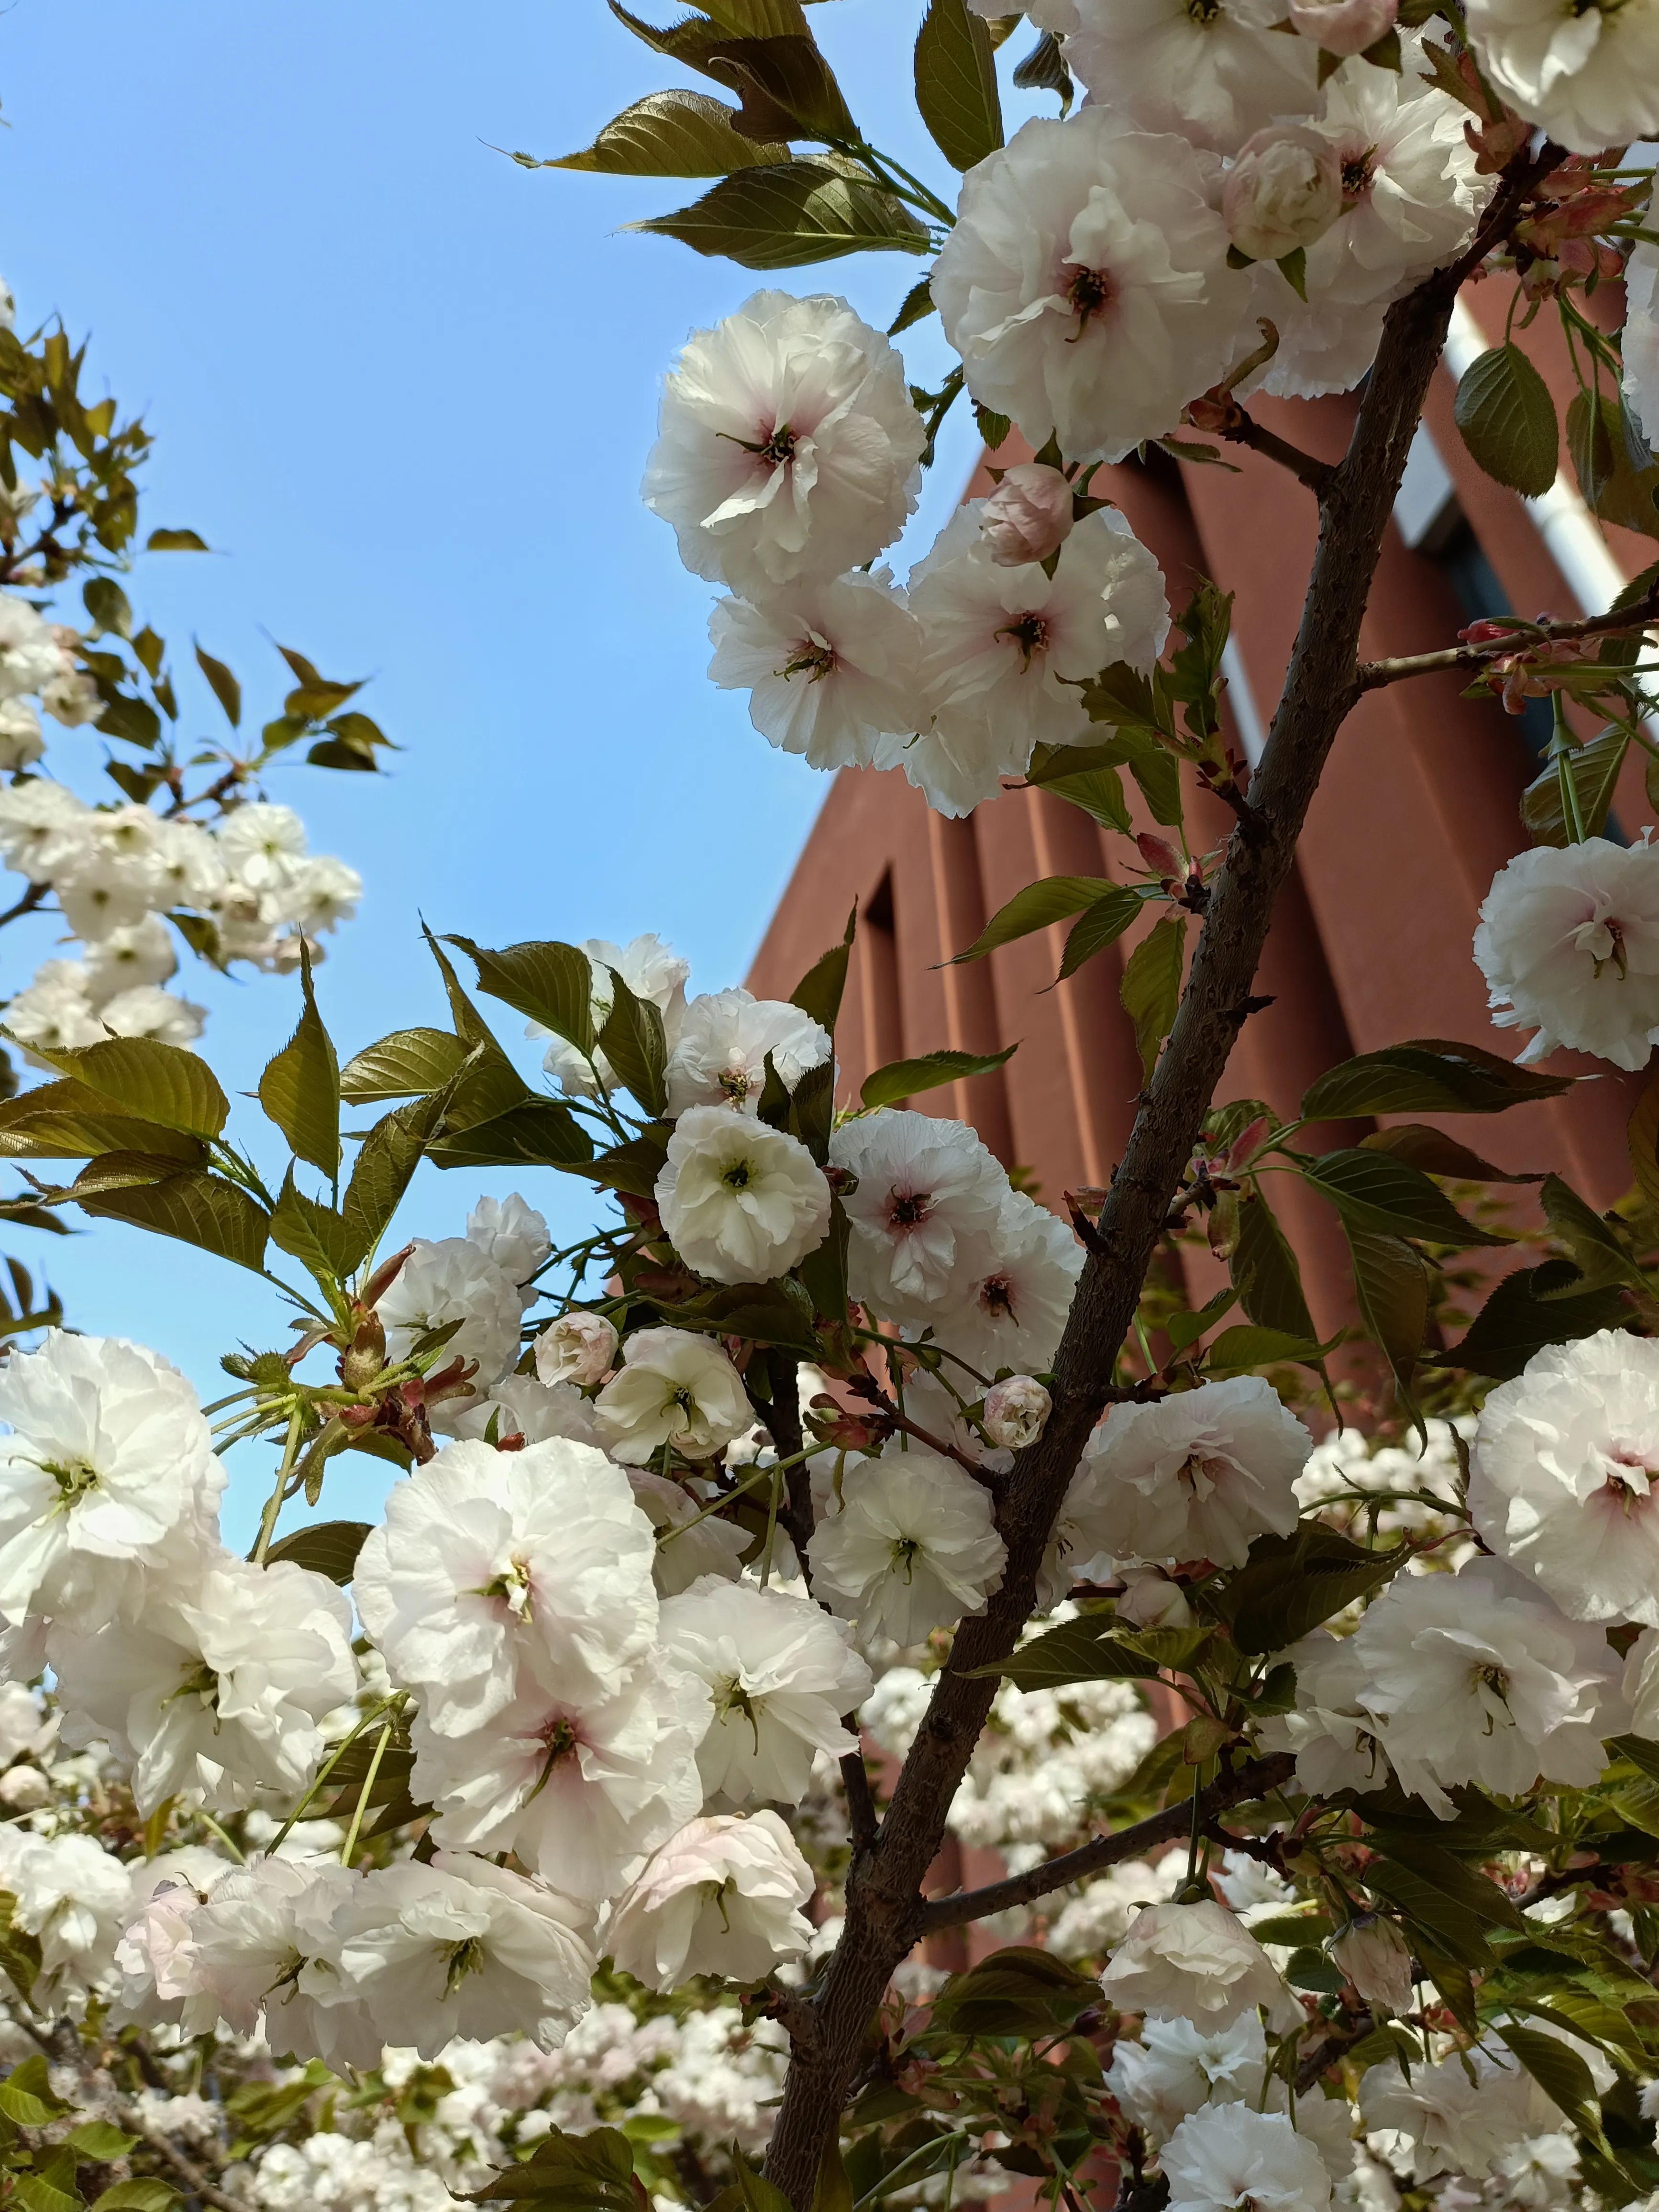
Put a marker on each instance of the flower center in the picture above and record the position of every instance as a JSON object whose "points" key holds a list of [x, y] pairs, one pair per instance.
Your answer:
{"points": [[996, 1297], [1203, 12], [466, 1959], [511, 1588], [731, 1697], [1493, 1685], [909, 1208], [1029, 632], [1603, 938], [780, 447], [201, 1682], [905, 1550], [1089, 291], [739, 1176], [811, 658], [74, 1479], [1357, 172]]}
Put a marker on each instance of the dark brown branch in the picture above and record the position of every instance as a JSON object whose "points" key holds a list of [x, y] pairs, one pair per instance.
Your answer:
{"points": [[31, 899], [1643, 615], [1240, 429], [884, 1905], [860, 1799], [1254, 1780]]}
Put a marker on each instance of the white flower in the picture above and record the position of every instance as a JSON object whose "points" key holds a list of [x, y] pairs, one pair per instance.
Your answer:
{"points": [[1195, 1476], [99, 890], [1475, 1677], [54, 1012], [129, 958], [23, 1726], [1086, 285], [1454, 2114], [30, 656], [780, 1674], [148, 1011], [1336, 1739], [912, 1549], [831, 668], [35, 816], [522, 1406], [215, 1694], [723, 1897], [1018, 1292], [73, 1896], [1284, 191], [21, 741], [1005, 649], [674, 1389], [512, 1234], [742, 1202], [1590, 77], [651, 972], [1029, 516], [1345, 27], [453, 1281], [723, 1043], [1377, 1958], [461, 1948], [1639, 1685], [789, 447], [320, 893], [925, 1187], [1640, 341], [1563, 1478], [579, 1785], [1017, 1412], [1210, 75], [1178, 2066], [266, 1941], [489, 1559], [156, 1954], [1225, 2155], [1569, 944], [71, 697], [109, 1459], [691, 1544], [260, 842], [1197, 1962], [578, 1348], [187, 865]]}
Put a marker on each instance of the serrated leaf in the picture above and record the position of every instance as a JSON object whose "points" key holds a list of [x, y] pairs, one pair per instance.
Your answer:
{"points": [[918, 305], [759, 19], [535, 1132], [1101, 924], [818, 994], [1507, 419], [678, 133], [589, 2172], [1528, 1309], [390, 1155], [1593, 1246], [26, 2095], [1559, 2072], [53, 2190], [789, 217], [549, 981], [1020, 1991], [320, 1239], [193, 1206], [144, 2194], [407, 1064], [300, 1089], [635, 1043], [97, 2139], [1377, 1191], [1099, 793], [1426, 1075], [1039, 905], [148, 1080], [956, 84], [1087, 1650], [1593, 768], [328, 1547], [1435, 1153], [905, 1078], [1391, 1284], [223, 685], [1265, 1272], [1254, 1346], [1450, 1929], [1289, 1584], [1151, 989], [1463, 1885]]}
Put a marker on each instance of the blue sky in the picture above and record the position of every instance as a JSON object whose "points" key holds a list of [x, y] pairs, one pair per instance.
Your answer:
{"points": [[405, 390]]}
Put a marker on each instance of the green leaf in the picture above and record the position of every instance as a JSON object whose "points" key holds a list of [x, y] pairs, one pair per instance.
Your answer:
{"points": [[551, 982], [634, 1042], [1437, 1154], [1507, 418], [300, 1089], [224, 686], [1289, 1584], [1616, 472], [535, 1132], [390, 1155], [1102, 925], [1265, 1272], [1450, 1928], [108, 606], [328, 1547], [632, 1167], [905, 1078], [1087, 1650], [818, 994], [1535, 1307], [150, 1081], [1593, 1246], [97, 2139], [407, 1064], [1642, 1142], [1469, 1890], [1253, 1347], [1151, 989], [20, 1960], [1427, 1075], [1054, 899], [1377, 1191], [1391, 1283], [1021, 1991], [759, 19], [193, 1206], [678, 133], [787, 217], [956, 80], [1559, 2072], [175, 541], [67, 1121], [320, 1239], [918, 305], [53, 2188], [145, 2193], [26, 2095], [778, 1313], [590, 2172], [1593, 768], [1099, 793]]}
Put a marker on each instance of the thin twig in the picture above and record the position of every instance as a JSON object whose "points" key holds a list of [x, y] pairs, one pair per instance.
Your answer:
{"points": [[1525, 637], [1230, 421]]}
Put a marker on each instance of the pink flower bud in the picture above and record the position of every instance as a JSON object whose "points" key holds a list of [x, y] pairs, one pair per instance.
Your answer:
{"points": [[1284, 191], [1150, 1600], [1029, 515], [1345, 27], [579, 1347], [1016, 1412]]}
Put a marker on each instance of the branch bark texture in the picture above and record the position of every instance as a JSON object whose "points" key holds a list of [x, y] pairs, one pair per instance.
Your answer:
{"points": [[885, 1911]]}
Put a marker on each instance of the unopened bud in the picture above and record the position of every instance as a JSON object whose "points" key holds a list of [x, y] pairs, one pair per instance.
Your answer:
{"points": [[579, 1347], [1283, 193], [1373, 1955], [1345, 27], [365, 1356], [1150, 1600], [24, 1789], [1028, 516], [1017, 1412]]}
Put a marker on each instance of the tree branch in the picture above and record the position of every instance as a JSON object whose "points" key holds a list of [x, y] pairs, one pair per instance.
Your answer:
{"points": [[1524, 638], [1229, 421], [1254, 1780]]}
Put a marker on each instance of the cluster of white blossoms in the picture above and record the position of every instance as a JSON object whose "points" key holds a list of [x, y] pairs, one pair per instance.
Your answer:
{"points": [[118, 874]]}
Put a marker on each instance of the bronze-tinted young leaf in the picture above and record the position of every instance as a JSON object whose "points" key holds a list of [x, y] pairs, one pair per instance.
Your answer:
{"points": [[148, 1080], [1382, 1193], [786, 218], [787, 89], [1426, 1075], [1463, 1884], [904, 1078], [327, 1547], [1290, 1584], [759, 19], [631, 1168], [192, 1205], [634, 1042], [551, 982], [1451, 1929], [1099, 925], [1593, 768], [1052, 899], [1528, 1309], [956, 79], [1151, 989], [1249, 1345], [1265, 1272], [300, 1089], [225, 688], [1424, 1146], [65, 1120], [678, 133], [1507, 418], [404, 1065]]}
